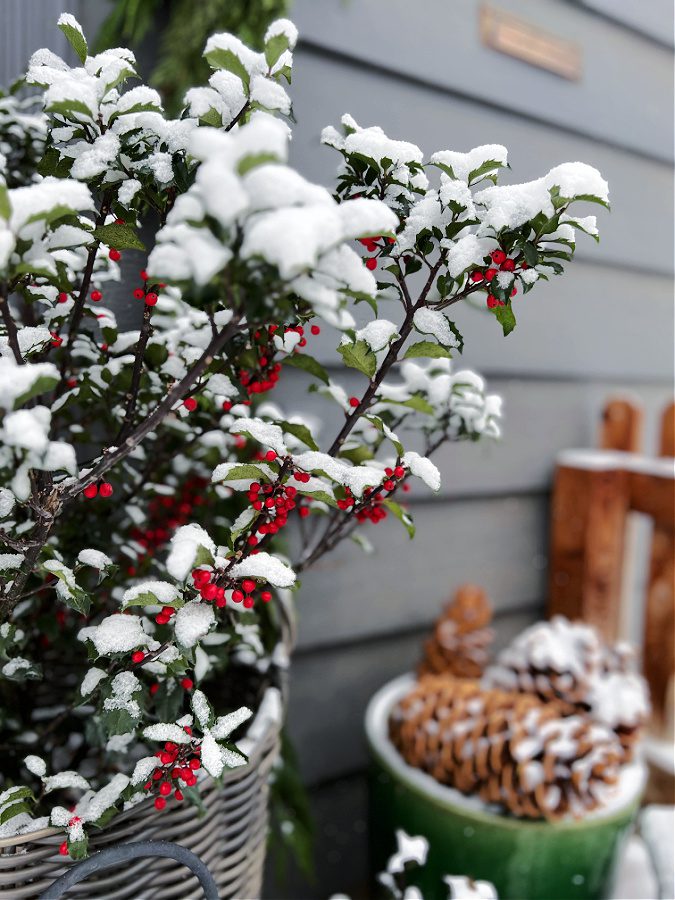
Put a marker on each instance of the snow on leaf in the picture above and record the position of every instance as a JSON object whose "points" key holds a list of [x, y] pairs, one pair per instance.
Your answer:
{"points": [[193, 622], [151, 592], [423, 468], [191, 546], [225, 725], [266, 567], [166, 731]]}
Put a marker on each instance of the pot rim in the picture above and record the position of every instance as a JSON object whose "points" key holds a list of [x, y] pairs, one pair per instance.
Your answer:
{"points": [[631, 784]]}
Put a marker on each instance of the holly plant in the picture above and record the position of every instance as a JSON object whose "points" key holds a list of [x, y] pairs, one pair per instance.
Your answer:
{"points": [[146, 475]]}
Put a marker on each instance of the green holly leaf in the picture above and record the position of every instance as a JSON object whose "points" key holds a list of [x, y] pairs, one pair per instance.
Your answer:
{"points": [[5, 208], [76, 39], [274, 48], [301, 432], [79, 849], [220, 58], [121, 237], [308, 364], [428, 349], [506, 318], [359, 356], [402, 516], [41, 384]]}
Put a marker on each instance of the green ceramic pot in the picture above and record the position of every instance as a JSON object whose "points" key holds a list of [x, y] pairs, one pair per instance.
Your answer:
{"points": [[524, 859]]}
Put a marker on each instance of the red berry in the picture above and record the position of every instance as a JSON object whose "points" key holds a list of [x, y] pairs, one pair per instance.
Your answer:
{"points": [[194, 764], [56, 341], [266, 596], [165, 788], [490, 274], [476, 275], [139, 293], [514, 291], [315, 329], [508, 265], [106, 489], [354, 402], [248, 585], [209, 591], [144, 275], [227, 406], [270, 456], [237, 596], [137, 656], [150, 299], [115, 255], [178, 794], [304, 511], [90, 491], [248, 602], [190, 404], [63, 297], [399, 471], [371, 263], [492, 302], [96, 296], [389, 485], [498, 257], [63, 849], [153, 689], [187, 684], [160, 803]]}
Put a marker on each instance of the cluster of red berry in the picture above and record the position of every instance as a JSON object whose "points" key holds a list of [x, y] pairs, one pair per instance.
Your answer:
{"points": [[63, 849], [504, 264], [373, 510], [165, 514], [373, 245], [149, 296], [210, 591], [179, 762], [98, 489]]}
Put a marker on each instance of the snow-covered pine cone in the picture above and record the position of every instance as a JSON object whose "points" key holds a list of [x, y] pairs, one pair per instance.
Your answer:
{"points": [[567, 662], [460, 643], [509, 748]]}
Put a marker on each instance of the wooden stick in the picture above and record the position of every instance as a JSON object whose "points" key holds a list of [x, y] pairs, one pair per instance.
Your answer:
{"points": [[588, 523], [659, 627], [621, 426]]}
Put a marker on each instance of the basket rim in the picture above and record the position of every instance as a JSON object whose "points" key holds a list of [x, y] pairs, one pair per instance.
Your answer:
{"points": [[385, 755], [262, 727]]}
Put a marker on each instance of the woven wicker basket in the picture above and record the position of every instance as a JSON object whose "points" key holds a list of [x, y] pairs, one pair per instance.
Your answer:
{"points": [[230, 837]]}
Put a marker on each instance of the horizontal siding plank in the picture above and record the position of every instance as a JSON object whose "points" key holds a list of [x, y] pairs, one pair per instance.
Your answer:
{"points": [[637, 233], [440, 44], [331, 689], [499, 543]]}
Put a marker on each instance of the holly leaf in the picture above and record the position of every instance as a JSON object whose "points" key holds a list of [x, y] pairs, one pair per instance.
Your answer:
{"points": [[274, 48], [220, 58], [301, 432], [401, 515], [121, 237], [359, 356], [428, 349], [506, 318], [308, 364], [76, 39]]}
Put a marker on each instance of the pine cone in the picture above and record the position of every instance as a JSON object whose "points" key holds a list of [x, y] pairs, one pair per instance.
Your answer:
{"points": [[567, 663], [461, 640], [509, 748]]}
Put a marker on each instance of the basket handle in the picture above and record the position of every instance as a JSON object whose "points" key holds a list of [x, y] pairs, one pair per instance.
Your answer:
{"points": [[112, 856]]}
